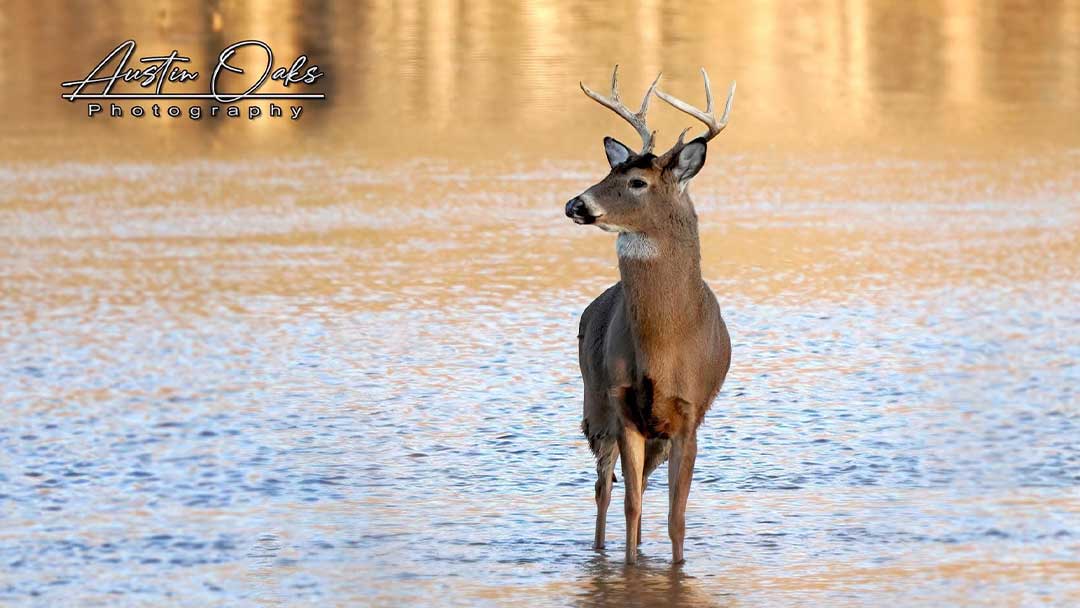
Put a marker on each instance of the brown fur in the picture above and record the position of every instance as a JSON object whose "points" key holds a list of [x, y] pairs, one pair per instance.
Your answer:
{"points": [[653, 348]]}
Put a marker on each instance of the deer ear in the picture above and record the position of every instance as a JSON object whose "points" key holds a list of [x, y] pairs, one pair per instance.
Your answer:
{"points": [[617, 153], [688, 161]]}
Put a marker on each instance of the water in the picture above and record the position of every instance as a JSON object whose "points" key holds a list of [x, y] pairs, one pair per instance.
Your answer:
{"points": [[334, 361]]}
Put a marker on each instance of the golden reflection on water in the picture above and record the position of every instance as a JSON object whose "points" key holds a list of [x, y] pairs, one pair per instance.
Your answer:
{"points": [[486, 79]]}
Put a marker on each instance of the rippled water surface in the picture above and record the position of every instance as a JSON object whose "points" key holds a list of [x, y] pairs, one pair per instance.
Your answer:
{"points": [[334, 362]]}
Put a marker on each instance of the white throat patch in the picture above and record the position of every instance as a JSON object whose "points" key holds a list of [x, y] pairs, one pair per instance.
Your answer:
{"points": [[635, 246]]}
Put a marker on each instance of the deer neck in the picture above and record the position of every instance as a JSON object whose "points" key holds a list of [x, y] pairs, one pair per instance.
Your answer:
{"points": [[661, 276]]}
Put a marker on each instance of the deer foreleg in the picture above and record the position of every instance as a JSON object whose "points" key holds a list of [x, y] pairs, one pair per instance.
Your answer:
{"points": [[632, 454], [680, 474]]}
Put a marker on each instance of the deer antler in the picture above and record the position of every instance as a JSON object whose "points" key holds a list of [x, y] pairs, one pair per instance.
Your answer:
{"points": [[637, 120], [707, 117]]}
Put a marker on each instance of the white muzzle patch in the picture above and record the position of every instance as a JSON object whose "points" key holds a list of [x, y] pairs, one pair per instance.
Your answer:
{"points": [[591, 206]]}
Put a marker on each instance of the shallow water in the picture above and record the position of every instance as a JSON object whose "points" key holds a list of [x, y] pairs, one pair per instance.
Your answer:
{"points": [[324, 371]]}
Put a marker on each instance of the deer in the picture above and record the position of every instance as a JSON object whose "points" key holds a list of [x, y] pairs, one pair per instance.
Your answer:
{"points": [[653, 348]]}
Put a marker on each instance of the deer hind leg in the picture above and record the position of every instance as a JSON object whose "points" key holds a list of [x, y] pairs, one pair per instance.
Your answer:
{"points": [[656, 452], [606, 455]]}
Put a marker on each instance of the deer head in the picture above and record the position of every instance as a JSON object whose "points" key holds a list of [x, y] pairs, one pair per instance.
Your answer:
{"points": [[645, 193]]}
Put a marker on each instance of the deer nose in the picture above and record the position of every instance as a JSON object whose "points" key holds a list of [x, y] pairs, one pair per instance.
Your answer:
{"points": [[575, 207]]}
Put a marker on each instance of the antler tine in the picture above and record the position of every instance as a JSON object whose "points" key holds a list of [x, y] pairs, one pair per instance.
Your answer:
{"points": [[636, 119], [707, 117]]}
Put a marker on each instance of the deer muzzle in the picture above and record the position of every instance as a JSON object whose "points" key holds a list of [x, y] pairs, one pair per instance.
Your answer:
{"points": [[580, 211]]}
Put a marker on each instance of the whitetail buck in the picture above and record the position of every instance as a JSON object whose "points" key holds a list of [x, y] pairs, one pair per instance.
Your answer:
{"points": [[653, 348]]}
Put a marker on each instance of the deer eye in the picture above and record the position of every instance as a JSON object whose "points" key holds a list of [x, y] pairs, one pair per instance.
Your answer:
{"points": [[637, 184]]}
